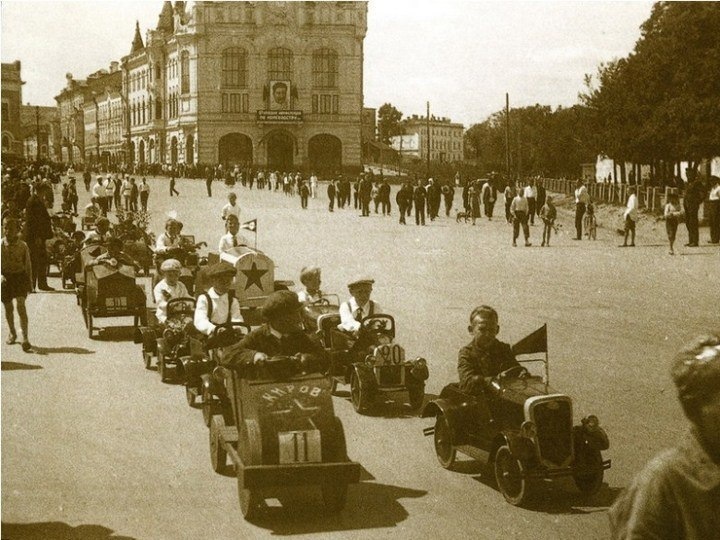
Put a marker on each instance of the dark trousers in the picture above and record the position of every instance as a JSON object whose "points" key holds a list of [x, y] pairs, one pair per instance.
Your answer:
{"points": [[402, 209], [520, 220], [208, 186], [109, 203], [448, 206], [508, 215], [385, 207], [692, 224], [714, 218], [38, 261], [356, 198], [420, 213], [531, 210], [365, 206], [303, 201], [332, 204], [144, 199], [579, 213], [173, 190], [489, 208]]}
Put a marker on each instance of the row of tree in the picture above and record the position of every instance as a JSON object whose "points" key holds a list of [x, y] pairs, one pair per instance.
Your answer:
{"points": [[660, 105]]}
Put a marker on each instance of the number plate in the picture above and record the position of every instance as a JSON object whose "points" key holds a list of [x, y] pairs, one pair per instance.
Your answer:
{"points": [[389, 355], [300, 446], [116, 303]]}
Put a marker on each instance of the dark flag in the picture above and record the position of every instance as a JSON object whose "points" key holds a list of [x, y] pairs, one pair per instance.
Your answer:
{"points": [[250, 225], [534, 343]]}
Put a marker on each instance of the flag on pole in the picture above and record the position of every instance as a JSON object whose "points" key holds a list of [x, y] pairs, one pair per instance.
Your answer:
{"points": [[534, 343], [250, 225]]}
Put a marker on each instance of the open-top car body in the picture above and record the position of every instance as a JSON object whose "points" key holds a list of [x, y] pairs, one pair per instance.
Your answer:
{"points": [[522, 426], [187, 253], [370, 362], [279, 428]]}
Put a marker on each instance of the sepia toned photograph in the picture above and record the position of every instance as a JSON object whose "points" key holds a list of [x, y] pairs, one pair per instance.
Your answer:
{"points": [[360, 270]]}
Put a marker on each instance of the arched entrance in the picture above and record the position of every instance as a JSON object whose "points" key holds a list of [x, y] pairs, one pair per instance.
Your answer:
{"points": [[189, 150], [141, 152], [235, 148], [173, 151], [325, 153], [280, 150]]}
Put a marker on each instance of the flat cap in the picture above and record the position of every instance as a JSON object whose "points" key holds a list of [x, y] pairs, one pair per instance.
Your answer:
{"points": [[362, 280], [279, 303], [170, 265], [220, 269]]}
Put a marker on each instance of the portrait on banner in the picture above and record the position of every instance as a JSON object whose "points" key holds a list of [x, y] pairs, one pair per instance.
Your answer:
{"points": [[279, 99]]}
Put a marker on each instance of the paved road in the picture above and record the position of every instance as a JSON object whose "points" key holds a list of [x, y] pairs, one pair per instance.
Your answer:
{"points": [[94, 446]]}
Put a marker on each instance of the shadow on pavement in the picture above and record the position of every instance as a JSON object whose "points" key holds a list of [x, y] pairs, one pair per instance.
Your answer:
{"points": [[61, 350], [12, 366], [55, 530], [114, 333], [369, 506]]}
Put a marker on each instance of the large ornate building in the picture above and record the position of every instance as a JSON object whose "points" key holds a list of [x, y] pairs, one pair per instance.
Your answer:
{"points": [[273, 84], [12, 141]]}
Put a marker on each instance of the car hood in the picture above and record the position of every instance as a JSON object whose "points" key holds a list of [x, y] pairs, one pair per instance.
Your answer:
{"points": [[518, 390]]}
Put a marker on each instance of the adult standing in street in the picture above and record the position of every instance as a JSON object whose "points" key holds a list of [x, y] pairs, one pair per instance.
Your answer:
{"points": [[365, 193], [38, 229], [676, 494], [433, 199], [117, 186], [714, 210], [403, 199], [385, 197], [488, 199], [474, 196], [98, 194], [541, 195], [313, 185], [531, 197], [582, 197], [144, 190], [87, 178], [631, 216], [419, 198], [172, 183], [331, 193], [16, 281], [304, 192], [448, 193], [73, 196], [693, 199], [509, 195], [519, 210], [209, 180], [110, 193]]}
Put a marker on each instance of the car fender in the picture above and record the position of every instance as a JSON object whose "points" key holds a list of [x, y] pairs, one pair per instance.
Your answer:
{"points": [[148, 337], [365, 376], [452, 414], [521, 447]]}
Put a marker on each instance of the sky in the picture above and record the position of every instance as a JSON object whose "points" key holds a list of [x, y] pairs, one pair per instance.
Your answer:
{"points": [[461, 56]]}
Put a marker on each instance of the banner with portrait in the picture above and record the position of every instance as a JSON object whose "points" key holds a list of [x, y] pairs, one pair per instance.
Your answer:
{"points": [[279, 98]]}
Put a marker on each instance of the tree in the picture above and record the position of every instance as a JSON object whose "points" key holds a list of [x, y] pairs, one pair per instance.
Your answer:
{"points": [[388, 122]]}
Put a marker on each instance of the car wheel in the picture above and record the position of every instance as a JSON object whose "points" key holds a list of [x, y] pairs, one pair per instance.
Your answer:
{"points": [[416, 395], [218, 455], [250, 450], [208, 406], [591, 482], [333, 385], [162, 368], [190, 396], [444, 449], [508, 474], [89, 320], [334, 451], [358, 395], [147, 358]]}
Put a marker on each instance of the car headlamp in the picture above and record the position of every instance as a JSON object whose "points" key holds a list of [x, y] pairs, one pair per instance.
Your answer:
{"points": [[528, 430], [419, 369]]}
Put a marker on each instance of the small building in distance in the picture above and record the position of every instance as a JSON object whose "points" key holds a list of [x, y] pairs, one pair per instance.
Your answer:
{"points": [[41, 130], [12, 133], [446, 139]]}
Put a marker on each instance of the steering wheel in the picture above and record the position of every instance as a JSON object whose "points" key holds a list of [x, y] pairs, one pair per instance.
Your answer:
{"points": [[221, 329], [516, 371], [376, 324]]}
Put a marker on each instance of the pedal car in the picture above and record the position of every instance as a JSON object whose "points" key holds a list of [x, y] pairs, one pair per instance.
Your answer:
{"points": [[372, 364], [329, 304], [187, 255], [171, 340], [107, 290], [521, 426], [196, 370], [280, 430]]}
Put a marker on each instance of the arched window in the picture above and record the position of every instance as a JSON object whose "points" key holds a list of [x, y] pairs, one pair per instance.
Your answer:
{"points": [[234, 68], [158, 108], [184, 72], [142, 108], [280, 64], [325, 68]]}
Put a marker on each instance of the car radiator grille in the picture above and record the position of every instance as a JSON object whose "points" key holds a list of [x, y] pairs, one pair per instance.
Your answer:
{"points": [[389, 375], [554, 430]]}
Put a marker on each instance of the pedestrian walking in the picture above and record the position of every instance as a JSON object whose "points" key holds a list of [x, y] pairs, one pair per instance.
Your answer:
{"points": [[403, 200], [419, 198], [433, 199], [304, 191], [172, 184], [313, 185], [16, 281], [133, 195], [126, 193], [672, 214], [385, 197], [519, 211], [87, 178], [110, 193], [582, 197], [73, 196], [541, 194], [448, 193], [509, 195], [474, 199], [531, 197], [209, 180], [38, 229], [548, 214], [631, 216], [331, 193], [365, 194], [488, 199], [98, 195], [117, 185], [144, 190]]}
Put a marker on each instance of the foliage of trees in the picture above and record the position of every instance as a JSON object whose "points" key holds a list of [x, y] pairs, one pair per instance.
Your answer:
{"points": [[388, 122]]}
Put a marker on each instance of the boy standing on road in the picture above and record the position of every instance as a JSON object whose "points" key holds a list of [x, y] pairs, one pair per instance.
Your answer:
{"points": [[548, 213], [630, 217], [16, 280], [519, 211]]}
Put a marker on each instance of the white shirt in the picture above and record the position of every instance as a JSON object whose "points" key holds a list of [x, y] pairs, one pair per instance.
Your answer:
{"points": [[715, 194], [178, 291], [98, 190], [143, 186], [230, 209], [307, 298], [530, 192], [226, 242], [632, 207], [581, 195], [219, 311], [165, 242], [109, 188], [348, 311], [126, 188]]}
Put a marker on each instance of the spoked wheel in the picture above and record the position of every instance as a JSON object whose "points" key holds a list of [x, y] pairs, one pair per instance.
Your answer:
{"points": [[508, 474], [250, 450], [218, 455], [359, 396], [208, 406], [444, 449]]}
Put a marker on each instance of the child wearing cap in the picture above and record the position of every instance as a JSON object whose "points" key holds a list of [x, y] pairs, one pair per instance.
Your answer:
{"points": [[168, 288], [358, 306], [310, 277], [217, 306], [281, 335], [231, 208]]}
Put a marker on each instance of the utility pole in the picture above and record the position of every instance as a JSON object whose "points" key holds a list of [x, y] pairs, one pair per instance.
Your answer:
{"points": [[507, 136], [519, 150], [428, 138], [37, 132]]}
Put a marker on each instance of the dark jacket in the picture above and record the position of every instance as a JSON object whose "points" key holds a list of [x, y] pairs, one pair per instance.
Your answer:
{"points": [[37, 223], [331, 190], [403, 197], [420, 194], [261, 340], [476, 364]]}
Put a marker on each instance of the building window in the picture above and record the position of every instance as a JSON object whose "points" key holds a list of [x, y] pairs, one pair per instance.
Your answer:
{"points": [[5, 111], [280, 64], [158, 108], [142, 108], [325, 68], [235, 103], [158, 71], [234, 68], [325, 104], [184, 72]]}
